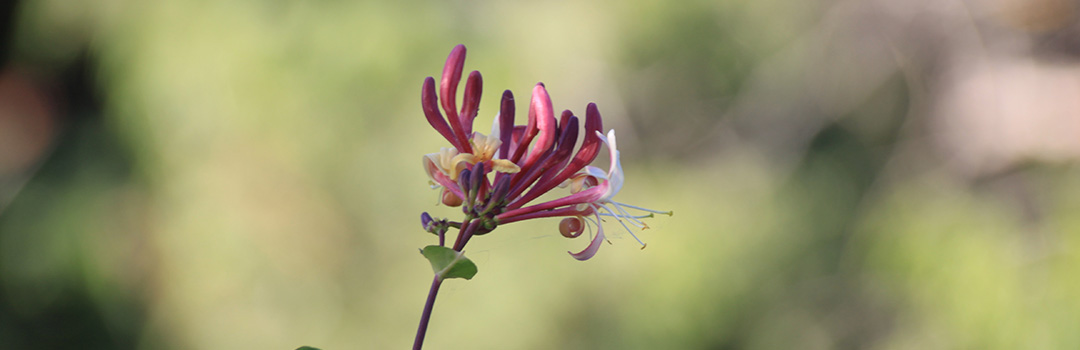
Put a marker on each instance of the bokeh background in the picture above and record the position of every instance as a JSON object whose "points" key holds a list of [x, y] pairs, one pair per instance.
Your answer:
{"points": [[845, 174]]}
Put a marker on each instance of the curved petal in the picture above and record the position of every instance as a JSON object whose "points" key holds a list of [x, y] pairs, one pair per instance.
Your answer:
{"points": [[615, 173], [458, 163], [616, 177], [485, 147], [582, 182], [438, 177], [609, 140], [596, 172], [504, 166], [594, 245], [430, 163]]}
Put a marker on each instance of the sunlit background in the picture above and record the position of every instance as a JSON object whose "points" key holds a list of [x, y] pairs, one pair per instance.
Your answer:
{"points": [[845, 174]]}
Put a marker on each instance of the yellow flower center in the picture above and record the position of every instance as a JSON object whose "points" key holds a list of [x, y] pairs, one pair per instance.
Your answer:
{"points": [[450, 162]]}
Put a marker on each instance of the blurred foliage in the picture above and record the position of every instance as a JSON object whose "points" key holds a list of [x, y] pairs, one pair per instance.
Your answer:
{"points": [[246, 175]]}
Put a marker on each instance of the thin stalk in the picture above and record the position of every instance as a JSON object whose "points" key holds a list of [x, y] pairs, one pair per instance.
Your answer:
{"points": [[426, 316], [467, 228], [466, 234]]}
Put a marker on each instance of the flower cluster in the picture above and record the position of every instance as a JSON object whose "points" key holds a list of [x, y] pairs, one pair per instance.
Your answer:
{"points": [[495, 177]]}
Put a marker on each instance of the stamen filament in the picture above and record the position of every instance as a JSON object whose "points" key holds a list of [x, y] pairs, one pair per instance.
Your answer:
{"points": [[623, 214], [650, 215], [594, 222], [617, 218], [668, 213]]}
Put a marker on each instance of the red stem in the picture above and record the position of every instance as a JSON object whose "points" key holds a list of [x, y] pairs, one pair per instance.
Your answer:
{"points": [[426, 316], [467, 229]]}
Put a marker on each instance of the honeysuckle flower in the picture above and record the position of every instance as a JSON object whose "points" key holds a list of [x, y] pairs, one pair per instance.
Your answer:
{"points": [[525, 162], [528, 160]]}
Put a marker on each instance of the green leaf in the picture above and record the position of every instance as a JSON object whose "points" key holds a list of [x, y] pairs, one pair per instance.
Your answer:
{"points": [[448, 263], [306, 348]]}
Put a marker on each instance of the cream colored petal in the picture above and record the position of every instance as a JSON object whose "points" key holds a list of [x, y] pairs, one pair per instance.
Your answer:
{"points": [[505, 166], [431, 164], [459, 162], [485, 146]]}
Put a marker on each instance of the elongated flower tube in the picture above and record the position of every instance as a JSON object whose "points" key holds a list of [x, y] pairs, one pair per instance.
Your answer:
{"points": [[590, 148], [452, 127], [597, 200], [545, 122]]}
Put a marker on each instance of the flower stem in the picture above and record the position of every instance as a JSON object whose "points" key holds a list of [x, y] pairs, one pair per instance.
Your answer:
{"points": [[467, 229], [465, 234], [426, 316]]}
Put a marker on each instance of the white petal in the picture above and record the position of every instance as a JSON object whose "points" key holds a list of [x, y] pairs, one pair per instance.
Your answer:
{"points": [[596, 172], [594, 245]]}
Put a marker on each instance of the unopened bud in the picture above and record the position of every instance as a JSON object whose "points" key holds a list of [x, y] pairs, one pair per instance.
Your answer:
{"points": [[502, 186], [427, 222], [478, 176], [464, 180], [450, 199]]}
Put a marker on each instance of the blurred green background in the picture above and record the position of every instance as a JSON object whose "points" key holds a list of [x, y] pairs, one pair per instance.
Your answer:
{"points": [[863, 174]]}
